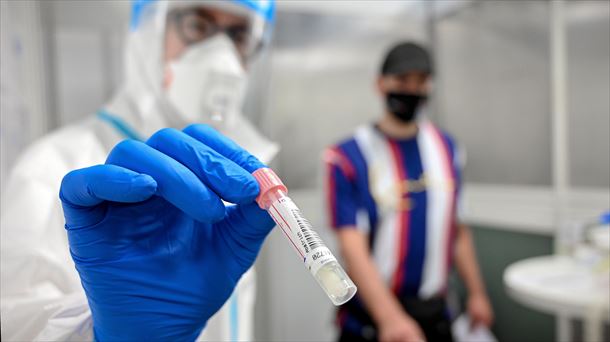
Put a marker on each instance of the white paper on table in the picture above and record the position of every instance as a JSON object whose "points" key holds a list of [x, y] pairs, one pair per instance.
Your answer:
{"points": [[462, 332]]}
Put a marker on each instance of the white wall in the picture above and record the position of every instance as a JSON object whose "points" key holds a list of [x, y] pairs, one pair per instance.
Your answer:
{"points": [[494, 90]]}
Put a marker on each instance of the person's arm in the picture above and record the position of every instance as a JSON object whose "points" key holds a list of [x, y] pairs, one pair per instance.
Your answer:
{"points": [[393, 323], [478, 305], [41, 297]]}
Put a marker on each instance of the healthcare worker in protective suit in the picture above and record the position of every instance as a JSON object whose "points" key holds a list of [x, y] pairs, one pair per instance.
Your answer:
{"points": [[186, 63]]}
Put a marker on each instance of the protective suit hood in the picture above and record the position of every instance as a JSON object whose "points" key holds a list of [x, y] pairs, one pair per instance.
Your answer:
{"points": [[142, 102]]}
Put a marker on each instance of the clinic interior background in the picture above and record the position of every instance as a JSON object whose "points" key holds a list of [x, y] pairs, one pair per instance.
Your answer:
{"points": [[524, 89]]}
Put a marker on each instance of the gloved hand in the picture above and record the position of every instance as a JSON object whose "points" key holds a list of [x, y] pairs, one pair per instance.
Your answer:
{"points": [[156, 249]]}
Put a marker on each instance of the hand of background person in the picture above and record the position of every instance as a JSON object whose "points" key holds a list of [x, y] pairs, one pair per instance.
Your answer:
{"points": [[399, 327], [480, 311]]}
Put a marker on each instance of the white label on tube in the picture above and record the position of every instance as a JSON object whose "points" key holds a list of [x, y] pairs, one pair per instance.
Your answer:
{"points": [[304, 240]]}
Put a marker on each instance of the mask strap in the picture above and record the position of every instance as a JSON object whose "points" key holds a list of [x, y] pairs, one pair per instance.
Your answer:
{"points": [[119, 125]]}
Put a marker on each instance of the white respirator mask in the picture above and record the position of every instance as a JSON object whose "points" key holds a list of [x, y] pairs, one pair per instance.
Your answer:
{"points": [[207, 83]]}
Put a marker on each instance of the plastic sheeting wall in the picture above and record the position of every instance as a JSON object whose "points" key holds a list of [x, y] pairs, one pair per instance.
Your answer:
{"points": [[14, 113], [494, 90], [23, 88], [588, 34]]}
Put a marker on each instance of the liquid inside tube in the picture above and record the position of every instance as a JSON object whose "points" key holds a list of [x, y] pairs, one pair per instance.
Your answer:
{"points": [[335, 282]]}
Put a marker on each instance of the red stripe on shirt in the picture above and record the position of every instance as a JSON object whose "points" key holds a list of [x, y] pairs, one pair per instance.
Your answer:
{"points": [[403, 219], [335, 156]]}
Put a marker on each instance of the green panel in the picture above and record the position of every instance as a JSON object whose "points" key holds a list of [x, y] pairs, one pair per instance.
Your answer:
{"points": [[496, 250]]}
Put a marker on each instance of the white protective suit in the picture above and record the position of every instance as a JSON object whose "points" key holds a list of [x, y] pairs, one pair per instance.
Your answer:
{"points": [[41, 294]]}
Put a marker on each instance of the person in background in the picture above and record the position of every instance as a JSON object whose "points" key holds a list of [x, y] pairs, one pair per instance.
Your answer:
{"points": [[392, 192], [186, 62]]}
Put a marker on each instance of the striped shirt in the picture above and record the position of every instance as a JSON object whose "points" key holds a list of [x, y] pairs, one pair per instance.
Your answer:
{"points": [[403, 194]]}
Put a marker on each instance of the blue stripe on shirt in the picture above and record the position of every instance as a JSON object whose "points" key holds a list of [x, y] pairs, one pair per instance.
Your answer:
{"points": [[413, 263], [365, 200]]}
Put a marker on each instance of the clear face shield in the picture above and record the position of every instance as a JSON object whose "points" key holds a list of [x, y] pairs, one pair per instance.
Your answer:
{"points": [[205, 47]]}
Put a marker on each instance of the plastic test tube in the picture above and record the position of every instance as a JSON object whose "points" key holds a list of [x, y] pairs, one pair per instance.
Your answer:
{"points": [[305, 241]]}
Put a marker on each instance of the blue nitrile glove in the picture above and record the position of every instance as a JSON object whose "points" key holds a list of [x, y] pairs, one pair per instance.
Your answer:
{"points": [[156, 249]]}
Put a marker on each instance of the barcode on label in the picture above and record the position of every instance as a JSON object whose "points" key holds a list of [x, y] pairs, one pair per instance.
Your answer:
{"points": [[311, 237]]}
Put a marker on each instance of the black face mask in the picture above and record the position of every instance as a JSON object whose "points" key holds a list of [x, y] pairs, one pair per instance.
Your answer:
{"points": [[404, 106]]}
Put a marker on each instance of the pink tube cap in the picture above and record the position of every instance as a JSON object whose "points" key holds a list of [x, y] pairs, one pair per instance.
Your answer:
{"points": [[268, 182]]}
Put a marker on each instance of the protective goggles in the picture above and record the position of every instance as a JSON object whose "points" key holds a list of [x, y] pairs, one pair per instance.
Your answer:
{"points": [[196, 24]]}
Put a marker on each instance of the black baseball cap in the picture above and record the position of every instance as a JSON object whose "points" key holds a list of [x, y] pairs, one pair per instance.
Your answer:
{"points": [[405, 57]]}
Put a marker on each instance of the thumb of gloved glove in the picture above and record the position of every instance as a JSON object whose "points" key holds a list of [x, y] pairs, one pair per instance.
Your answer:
{"points": [[157, 250]]}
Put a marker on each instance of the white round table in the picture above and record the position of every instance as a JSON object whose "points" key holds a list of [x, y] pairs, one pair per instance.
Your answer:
{"points": [[565, 287]]}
